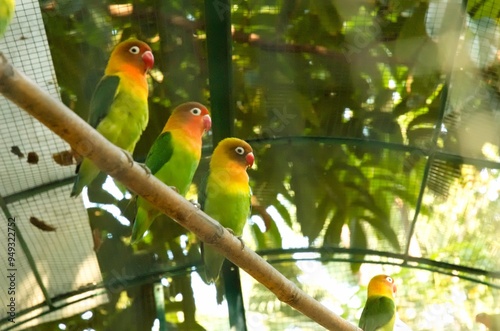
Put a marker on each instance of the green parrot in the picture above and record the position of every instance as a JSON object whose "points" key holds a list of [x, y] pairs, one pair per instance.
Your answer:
{"points": [[174, 157], [380, 308], [226, 197], [6, 13], [119, 106]]}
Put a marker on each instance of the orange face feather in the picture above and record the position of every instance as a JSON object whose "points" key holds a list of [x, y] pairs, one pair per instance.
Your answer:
{"points": [[382, 285], [193, 117], [131, 56], [236, 156]]}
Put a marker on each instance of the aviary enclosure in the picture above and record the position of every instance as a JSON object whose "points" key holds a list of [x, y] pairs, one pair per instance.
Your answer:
{"points": [[375, 130]]}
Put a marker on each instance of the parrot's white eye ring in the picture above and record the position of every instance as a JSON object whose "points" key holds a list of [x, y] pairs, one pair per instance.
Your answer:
{"points": [[196, 111], [239, 150], [390, 280], [134, 50]]}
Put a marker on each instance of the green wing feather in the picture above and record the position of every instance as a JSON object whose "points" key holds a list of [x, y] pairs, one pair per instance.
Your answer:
{"points": [[102, 99], [100, 105], [378, 313], [160, 153]]}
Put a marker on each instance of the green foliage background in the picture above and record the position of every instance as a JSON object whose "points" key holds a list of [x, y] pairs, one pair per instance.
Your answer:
{"points": [[350, 107]]}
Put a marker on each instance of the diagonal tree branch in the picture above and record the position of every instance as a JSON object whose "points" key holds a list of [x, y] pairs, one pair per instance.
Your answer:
{"points": [[109, 158]]}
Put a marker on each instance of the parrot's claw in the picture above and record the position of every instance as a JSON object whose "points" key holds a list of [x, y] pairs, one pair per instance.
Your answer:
{"points": [[129, 157], [239, 237], [195, 203], [146, 169], [174, 188]]}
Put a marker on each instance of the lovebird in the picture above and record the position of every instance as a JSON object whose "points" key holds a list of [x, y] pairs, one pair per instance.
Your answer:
{"points": [[226, 196], [174, 157], [491, 321], [380, 308], [6, 13], [119, 105]]}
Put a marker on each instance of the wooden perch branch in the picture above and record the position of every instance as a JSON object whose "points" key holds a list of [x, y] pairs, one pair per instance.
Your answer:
{"points": [[109, 158]]}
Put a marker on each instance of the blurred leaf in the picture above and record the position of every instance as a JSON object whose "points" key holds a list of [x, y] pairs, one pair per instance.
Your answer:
{"points": [[284, 212], [361, 192], [419, 136], [266, 240], [105, 221], [402, 5], [387, 127], [412, 36], [483, 8], [425, 120], [382, 98], [401, 192], [358, 240], [96, 193], [352, 172], [349, 8], [384, 228], [401, 108], [69, 7], [484, 41], [328, 15], [334, 229], [442, 17]]}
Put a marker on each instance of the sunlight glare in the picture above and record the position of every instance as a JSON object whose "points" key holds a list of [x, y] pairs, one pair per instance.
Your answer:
{"points": [[348, 114], [156, 325], [291, 239], [257, 220], [110, 187], [165, 282], [112, 209], [87, 315]]}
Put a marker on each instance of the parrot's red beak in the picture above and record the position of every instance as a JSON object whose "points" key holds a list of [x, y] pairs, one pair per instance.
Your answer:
{"points": [[207, 122], [149, 60], [394, 288], [250, 159]]}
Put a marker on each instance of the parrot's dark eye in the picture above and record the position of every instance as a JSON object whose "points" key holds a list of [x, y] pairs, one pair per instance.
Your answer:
{"points": [[134, 50], [196, 111], [240, 150], [390, 280]]}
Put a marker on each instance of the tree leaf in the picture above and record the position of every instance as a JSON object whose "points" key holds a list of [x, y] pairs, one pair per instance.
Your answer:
{"points": [[334, 229], [384, 228], [328, 16], [358, 240]]}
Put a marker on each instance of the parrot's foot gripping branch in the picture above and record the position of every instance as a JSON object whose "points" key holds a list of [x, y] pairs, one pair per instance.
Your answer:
{"points": [[240, 238], [130, 159], [146, 169], [195, 203]]}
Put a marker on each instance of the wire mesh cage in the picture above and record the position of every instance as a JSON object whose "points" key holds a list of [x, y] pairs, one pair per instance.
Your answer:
{"points": [[374, 128]]}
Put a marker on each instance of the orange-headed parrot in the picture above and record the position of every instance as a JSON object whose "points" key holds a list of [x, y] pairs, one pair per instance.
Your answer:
{"points": [[380, 308], [174, 157], [226, 197], [119, 106]]}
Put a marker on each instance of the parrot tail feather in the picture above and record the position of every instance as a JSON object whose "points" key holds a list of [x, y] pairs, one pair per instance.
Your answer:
{"points": [[87, 172], [142, 222], [212, 261]]}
